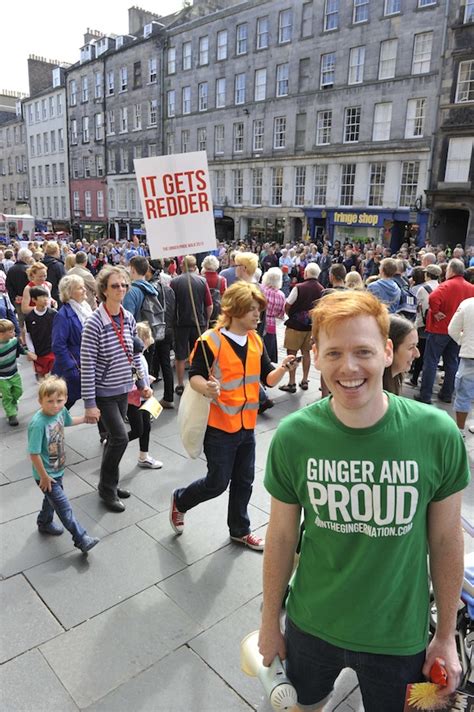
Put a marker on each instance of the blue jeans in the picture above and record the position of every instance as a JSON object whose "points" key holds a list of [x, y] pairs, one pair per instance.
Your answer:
{"points": [[230, 458], [113, 410], [437, 345], [57, 501], [313, 665]]}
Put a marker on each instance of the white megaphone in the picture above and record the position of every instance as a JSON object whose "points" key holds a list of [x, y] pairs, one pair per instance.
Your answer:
{"points": [[280, 691]]}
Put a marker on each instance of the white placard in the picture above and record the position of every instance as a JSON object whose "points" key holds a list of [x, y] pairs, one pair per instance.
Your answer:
{"points": [[175, 194]]}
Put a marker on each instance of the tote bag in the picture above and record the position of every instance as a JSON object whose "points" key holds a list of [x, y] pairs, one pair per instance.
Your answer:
{"points": [[193, 415]]}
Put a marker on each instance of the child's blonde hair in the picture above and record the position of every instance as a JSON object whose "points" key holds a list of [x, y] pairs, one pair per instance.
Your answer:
{"points": [[6, 325], [50, 386], [144, 333]]}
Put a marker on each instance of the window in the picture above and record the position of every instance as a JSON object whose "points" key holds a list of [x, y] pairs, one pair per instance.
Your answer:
{"points": [[465, 84], [100, 204], [111, 199], [409, 183], [171, 57], [307, 20], [300, 184], [33, 175], [48, 206], [85, 129], [98, 126], [132, 195], [87, 203], [152, 150], [111, 161], [54, 169], [348, 172], [86, 171], [51, 106], [257, 182], [170, 143], [392, 7], [426, 3], [304, 74], [323, 127], [388, 59], [75, 201], [30, 114], [262, 33], [320, 184], [219, 139], [110, 82], [153, 69], [282, 72], [202, 96], [238, 185], [63, 206], [123, 78], [137, 151], [241, 39], [137, 75], [219, 195], [469, 11], [45, 143], [185, 141], [351, 124], [123, 119], [60, 139], [97, 85], [459, 160], [260, 89], [415, 121], [32, 146], [239, 89], [99, 165], [331, 15], [84, 89], [238, 137], [376, 183], [123, 161], [285, 25], [328, 70], [422, 53], [382, 122], [300, 131], [222, 44], [171, 103], [44, 112], [110, 122], [220, 93], [202, 139], [40, 175], [56, 207], [361, 11], [203, 50], [47, 175], [137, 117], [75, 168], [258, 128], [72, 97], [279, 132], [356, 65], [152, 112], [186, 100], [187, 55], [276, 197]]}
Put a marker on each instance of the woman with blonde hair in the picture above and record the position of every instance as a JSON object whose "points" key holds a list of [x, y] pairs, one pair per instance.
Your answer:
{"points": [[353, 280], [37, 278], [272, 281]]}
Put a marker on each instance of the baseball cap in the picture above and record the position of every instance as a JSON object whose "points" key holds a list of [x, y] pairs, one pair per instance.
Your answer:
{"points": [[433, 270]]}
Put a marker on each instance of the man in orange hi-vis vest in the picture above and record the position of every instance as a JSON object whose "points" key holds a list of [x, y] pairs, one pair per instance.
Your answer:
{"points": [[238, 361]]}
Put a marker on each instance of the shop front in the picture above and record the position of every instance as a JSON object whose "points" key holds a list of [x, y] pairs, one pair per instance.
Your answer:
{"points": [[385, 227]]}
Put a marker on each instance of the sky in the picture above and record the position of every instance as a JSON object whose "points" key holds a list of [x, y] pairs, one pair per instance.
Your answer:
{"points": [[54, 29]]}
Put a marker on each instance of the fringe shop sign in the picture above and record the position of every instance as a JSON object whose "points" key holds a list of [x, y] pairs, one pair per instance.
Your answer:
{"points": [[176, 201]]}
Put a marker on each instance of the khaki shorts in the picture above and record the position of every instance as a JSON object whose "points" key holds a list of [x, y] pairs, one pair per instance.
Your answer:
{"points": [[297, 340]]}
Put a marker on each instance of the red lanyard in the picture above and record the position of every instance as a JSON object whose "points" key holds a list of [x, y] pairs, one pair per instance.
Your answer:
{"points": [[119, 332]]}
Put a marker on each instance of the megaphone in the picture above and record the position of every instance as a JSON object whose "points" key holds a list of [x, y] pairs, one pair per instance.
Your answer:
{"points": [[280, 691]]}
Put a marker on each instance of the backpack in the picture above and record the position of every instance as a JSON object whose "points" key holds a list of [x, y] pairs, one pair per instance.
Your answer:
{"points": [[216, 300], [153, 311], [429, 289], [407, 304]]}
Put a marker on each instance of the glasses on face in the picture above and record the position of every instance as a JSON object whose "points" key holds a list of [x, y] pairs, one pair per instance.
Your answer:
{"points": [[119, 285]]}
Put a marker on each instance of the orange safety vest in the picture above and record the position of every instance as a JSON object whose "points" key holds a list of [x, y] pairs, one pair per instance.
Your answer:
{"points": [[237, 405]]}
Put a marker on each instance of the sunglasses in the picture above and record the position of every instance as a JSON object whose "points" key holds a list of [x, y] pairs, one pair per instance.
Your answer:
{"points": [[121, 285]]}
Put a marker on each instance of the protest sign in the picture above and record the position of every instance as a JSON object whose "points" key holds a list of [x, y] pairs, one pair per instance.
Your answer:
{"points": [[176, 200]]}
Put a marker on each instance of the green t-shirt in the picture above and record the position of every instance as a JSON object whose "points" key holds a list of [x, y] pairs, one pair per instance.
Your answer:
{"points": [[46, 438], [362, 579]]}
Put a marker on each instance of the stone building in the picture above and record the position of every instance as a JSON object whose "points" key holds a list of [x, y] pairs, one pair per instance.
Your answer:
{"points": [[14, 187], [451, 195]]}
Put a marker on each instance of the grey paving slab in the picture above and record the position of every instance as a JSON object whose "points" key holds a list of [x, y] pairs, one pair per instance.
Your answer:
{"points": [[25, 620], [260, 497], [22, 546], [180, 682], [23, 497], [216, 586], [135, 511], [76, 587], [198, 541], [28, 684], [96, 657], [17, 465], [3, 479], [173, 443]]}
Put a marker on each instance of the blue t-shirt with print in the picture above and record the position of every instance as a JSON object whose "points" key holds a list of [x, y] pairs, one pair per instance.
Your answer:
{"points": [[46, 438]]}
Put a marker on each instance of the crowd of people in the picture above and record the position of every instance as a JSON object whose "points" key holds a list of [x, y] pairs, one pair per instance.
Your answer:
{"points": [[107, 323]]}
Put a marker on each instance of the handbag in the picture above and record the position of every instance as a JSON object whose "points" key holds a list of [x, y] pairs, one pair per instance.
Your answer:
{"points": [[193, 414]]}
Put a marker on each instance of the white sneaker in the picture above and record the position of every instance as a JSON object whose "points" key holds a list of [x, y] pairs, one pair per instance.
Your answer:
{"points": [[150, 463]]}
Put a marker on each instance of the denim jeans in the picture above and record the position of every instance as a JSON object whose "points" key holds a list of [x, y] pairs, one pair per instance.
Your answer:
{"points": [[437, 345], [113, 410], [57, 501], [313, 665], [162, 359], [230, 458]]}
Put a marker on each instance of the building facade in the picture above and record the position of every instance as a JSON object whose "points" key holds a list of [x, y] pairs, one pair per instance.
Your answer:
{"points": [[14, 186]]}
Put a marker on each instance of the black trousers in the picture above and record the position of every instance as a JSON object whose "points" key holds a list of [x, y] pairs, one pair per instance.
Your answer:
{"points": [[113, 410], [162, 360], [139, 421]]}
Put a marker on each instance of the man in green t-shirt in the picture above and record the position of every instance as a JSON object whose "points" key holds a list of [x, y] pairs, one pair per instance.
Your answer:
{"points": [[379, 479]]}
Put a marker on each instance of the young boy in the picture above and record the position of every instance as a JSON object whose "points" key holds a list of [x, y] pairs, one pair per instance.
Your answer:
{"points": [[10, 381], [47, 453], [39, 326]]}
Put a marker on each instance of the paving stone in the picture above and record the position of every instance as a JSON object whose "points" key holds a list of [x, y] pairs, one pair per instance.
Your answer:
{"points": [[173, 443], [135, 511], [216, 586], [25, 620], [180, 682], [260, 497], [29, 685], [24, 497], [76, 587], [22, 546], [96, 657], [206, 529], [3, 479]]}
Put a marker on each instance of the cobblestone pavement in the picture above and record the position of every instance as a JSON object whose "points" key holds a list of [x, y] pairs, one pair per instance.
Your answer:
{"points": [[147, 621]]}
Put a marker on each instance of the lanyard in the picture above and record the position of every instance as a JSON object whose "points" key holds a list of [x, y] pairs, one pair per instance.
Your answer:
{"points": [[119, 332]]}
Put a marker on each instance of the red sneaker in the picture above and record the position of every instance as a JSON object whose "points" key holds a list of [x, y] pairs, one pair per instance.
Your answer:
{"points": [[176, 517], [251, 540]]}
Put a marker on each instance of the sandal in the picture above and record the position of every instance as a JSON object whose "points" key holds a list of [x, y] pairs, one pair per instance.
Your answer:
{"points": [[304, 385], [289, 388]]}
